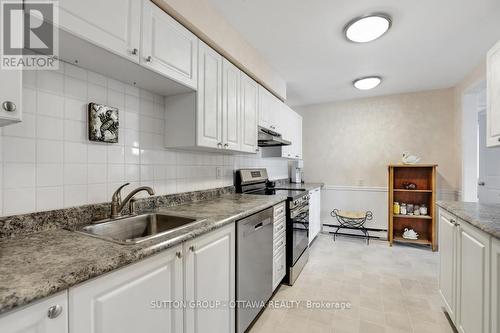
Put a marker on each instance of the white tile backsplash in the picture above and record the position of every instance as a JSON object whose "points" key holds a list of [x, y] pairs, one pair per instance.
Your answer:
{"points": [[47, 162]]}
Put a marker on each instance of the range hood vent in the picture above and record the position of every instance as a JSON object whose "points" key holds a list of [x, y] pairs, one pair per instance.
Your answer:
{"points": [[268, 138]]}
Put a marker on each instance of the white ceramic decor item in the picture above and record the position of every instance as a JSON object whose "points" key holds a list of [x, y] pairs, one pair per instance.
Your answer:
{"points": [[410, 234], [410, 159]]}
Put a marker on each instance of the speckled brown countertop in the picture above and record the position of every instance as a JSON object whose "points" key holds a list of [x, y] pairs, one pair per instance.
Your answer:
{"points": [[37, 265], [484, 216]]}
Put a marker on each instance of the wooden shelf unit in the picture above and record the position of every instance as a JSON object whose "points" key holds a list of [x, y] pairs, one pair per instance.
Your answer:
{"points": [[424, 176]]}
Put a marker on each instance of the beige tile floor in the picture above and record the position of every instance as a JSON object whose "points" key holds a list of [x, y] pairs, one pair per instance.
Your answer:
{"points": [[391, 289]]}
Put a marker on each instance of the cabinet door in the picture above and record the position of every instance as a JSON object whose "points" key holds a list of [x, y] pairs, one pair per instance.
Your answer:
{"points": [[249, 113], [495, 286], [10, 96], [447, 267], [473, 280], [209, 97], [493, 96], [167, 47], [210, 277], [131, 299], [314, 214], [231, 134], [298, 138], [279, 267], [34, 318], [114, 25], [265, 104]]}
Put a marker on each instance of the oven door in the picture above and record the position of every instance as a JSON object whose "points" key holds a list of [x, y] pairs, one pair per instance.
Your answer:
{"points": [[298, 231]]}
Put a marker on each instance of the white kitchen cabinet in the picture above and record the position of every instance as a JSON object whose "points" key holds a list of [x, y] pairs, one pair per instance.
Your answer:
{"points": [[447, 269], [279, 267], [465, 273], [10, 96], [495, 286], [270, 114], [210, 263], [231, 106], [249, 113], [114, 25], [314, 213], [473, 280], [209, 98], [35, 318], [493, 96], [166, 46], [125, 300]]}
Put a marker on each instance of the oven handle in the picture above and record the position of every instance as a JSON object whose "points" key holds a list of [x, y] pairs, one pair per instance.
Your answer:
{"points": [[303, 209]]}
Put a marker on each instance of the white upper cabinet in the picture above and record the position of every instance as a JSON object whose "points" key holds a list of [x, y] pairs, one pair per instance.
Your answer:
{"points": [[270, 115], [47, 316], [114, 25], [167, 47], [124, 301], [249, 113], [209, 98], [210, 263], [231, 106], [493, 96], [10, 96]]}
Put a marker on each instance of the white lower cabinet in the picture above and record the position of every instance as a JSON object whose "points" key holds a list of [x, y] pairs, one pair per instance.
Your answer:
{"points": [[314, 213], [473, 280], [279, 244], [47, 316], [210, 282], [495, 285], [125, 301], [465, 273]]}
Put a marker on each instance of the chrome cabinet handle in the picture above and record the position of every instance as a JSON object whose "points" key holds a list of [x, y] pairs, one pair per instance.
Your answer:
{"points": [[149, 59], [257, 149], [178, 254], [226, 145], [134, 51], [9, 106], [54, 311], [192, 248], [219, 145], [481, 183]]}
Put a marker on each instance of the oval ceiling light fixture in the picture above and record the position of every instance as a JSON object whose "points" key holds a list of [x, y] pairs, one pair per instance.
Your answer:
{"points": [[367, 28], [367, 83]]}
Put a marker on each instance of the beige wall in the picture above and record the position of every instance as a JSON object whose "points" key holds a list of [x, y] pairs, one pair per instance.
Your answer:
{"points": [[350, 143], [207, 23]]}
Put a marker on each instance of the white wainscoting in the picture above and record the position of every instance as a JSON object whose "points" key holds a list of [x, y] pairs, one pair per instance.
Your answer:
{"points": [[363, 198]]}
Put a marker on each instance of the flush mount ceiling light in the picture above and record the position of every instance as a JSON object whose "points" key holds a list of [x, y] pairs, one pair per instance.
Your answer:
{"points": [[367, 28], [367, 83]]}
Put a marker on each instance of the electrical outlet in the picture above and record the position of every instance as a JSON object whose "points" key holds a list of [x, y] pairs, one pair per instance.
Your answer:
{"points": [[218, 173]]}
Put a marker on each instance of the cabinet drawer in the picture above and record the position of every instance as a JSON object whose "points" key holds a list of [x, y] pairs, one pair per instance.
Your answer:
{"points": [[279, 243], [279, 268], [279, 227], [279, 211]]}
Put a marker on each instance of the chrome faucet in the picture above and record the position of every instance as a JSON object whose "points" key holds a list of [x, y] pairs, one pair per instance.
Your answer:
{"points": [[117, 204]]}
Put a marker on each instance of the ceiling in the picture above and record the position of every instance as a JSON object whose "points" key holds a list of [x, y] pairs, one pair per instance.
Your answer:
{"points": [[432, 44]]}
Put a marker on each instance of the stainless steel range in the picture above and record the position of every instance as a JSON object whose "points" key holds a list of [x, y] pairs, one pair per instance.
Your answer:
{"points": [[255, 181]]}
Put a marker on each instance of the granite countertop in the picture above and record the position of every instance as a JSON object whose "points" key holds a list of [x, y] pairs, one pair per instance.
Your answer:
{"points": [[298, 186], [484, 216], [37, 265]]}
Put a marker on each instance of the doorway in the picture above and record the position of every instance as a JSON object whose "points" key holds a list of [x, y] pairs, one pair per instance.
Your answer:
{"points": [[488, 189]]}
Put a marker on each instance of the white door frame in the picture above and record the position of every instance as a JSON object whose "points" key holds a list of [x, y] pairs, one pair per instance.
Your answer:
{"points": [[473, 102]]}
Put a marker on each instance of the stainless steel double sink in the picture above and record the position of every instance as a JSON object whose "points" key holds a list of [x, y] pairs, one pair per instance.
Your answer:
{"points": [[139, 228]]}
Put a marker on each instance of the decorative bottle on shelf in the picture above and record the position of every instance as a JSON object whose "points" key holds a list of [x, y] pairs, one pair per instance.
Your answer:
{"points": [[423, 209], [396, 208], [402, 210]]}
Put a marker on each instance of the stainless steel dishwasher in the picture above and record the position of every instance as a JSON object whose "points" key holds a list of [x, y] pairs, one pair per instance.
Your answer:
{"points": [[254, 266]]}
